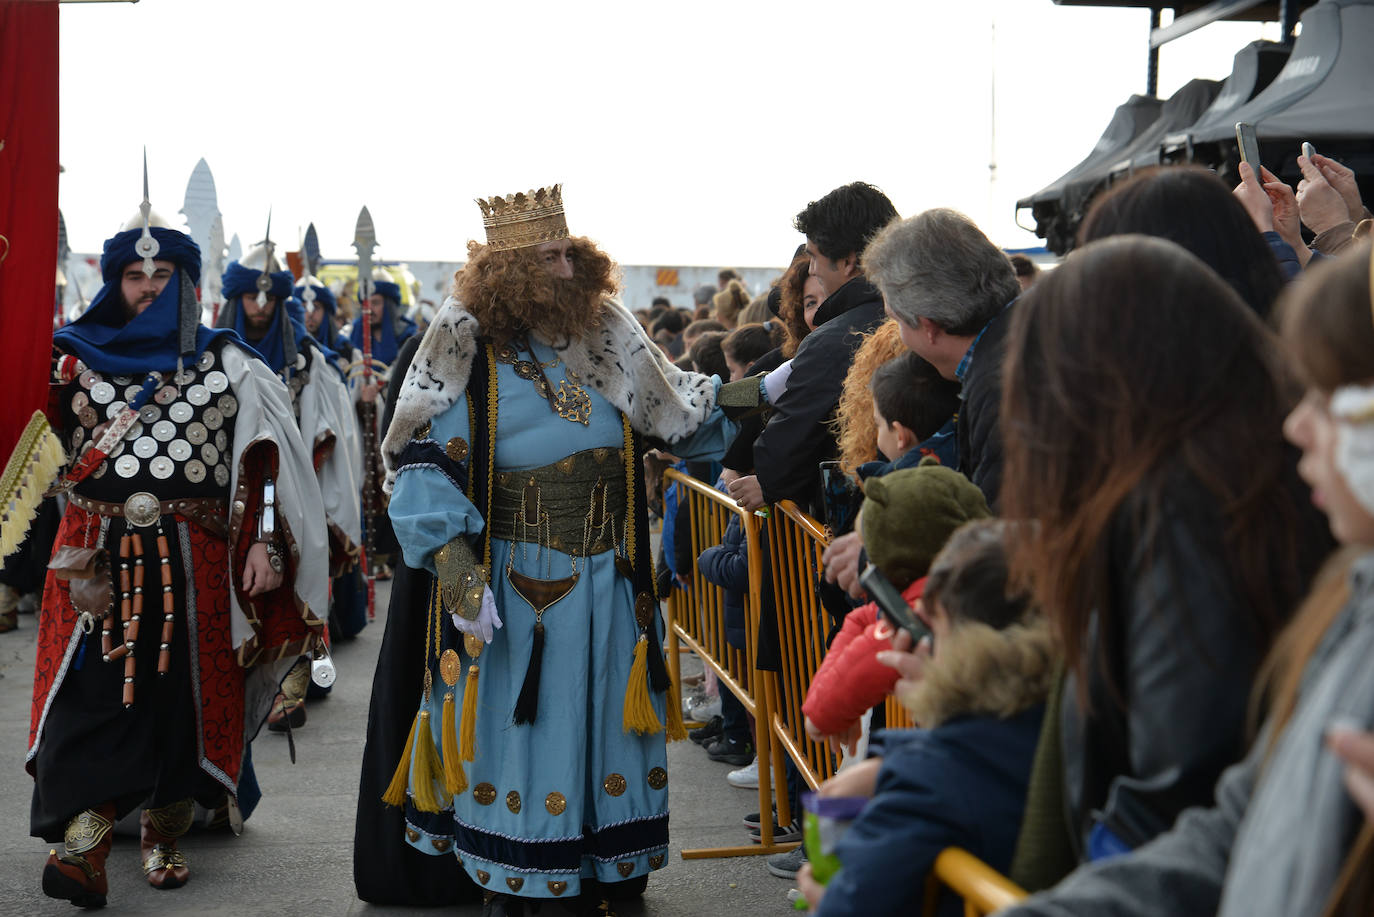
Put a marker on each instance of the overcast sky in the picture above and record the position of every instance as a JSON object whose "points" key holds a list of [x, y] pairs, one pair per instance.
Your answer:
{"points": [[682, 133]]}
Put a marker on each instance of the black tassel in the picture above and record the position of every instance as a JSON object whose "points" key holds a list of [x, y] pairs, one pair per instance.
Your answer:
{"points": [[527, 704], [658, 671]]}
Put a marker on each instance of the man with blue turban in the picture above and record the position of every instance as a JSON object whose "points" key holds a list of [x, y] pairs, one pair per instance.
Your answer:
{"points": [[390, 327], [322, 314], [187, 574], [259, 306]]}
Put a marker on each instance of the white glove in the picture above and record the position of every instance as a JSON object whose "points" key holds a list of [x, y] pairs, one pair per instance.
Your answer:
{"points": [[775, 383], [488, 622]]}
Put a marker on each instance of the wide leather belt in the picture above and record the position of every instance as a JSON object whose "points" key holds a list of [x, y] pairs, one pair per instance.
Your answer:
{"points": [[144, 509], [576, 505]]}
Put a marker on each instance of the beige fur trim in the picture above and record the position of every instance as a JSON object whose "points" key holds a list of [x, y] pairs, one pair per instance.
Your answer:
{"points": [[615, 357], [980, 671]]}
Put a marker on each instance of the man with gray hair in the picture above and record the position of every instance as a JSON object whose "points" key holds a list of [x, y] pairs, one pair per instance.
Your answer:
{"points": [[948, 287]]}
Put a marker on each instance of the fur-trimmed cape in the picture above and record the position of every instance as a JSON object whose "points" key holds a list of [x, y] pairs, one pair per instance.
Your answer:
{"points": [[615, 357]]}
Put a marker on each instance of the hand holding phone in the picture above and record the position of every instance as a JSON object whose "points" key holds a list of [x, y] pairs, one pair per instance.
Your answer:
{"points": [[892, 606]]}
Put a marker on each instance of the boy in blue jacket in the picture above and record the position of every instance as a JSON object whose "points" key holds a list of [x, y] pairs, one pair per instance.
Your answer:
{"points": [[960, 779]]}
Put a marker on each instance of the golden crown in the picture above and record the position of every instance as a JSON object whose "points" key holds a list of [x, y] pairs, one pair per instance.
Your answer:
{"points": [[524, 219]]}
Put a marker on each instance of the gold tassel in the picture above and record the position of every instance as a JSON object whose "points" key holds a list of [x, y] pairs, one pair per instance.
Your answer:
{"points": [[395, 794], [455, 781], [672, 699], [639, 713], [469, 731], [427, 768]]}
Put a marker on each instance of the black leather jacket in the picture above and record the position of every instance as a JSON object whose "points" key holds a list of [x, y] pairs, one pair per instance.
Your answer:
{"points": [[1182, 649], [798, 437]]}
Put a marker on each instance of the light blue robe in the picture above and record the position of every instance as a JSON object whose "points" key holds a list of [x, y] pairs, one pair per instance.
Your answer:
{"points": [[612, 823]]}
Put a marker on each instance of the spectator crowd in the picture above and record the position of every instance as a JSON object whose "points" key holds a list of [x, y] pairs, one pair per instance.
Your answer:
{"points": [[1129, 500]]}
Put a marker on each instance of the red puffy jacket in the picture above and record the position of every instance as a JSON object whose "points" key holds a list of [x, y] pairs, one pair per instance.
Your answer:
{"points": [[851, 680]]}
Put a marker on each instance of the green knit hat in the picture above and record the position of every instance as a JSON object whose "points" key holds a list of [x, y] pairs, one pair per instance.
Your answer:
{"points": [[908, 516]]}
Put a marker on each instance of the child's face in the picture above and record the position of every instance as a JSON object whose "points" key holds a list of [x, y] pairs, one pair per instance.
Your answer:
{"points": [[1311, 428], [889, 438], [737, 370], [937, 619]]}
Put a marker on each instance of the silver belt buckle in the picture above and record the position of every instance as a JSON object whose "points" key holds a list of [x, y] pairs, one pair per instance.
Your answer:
{"points": [[141, 509]]}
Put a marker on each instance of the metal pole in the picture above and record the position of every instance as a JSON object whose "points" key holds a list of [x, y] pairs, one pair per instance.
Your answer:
{"points": [[1152, 62], [1288, 20]]}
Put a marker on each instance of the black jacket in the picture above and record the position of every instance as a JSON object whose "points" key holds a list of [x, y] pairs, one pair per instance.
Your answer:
{"points": [[979, 437], [1182, 652], [798, 436]]}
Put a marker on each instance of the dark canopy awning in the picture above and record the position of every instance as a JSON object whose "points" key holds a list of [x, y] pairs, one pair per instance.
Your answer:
{"points": [[1255, 66], [1326, 88]]}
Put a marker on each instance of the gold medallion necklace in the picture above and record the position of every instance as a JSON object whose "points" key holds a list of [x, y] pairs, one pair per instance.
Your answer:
{"points": [[569, 401]]}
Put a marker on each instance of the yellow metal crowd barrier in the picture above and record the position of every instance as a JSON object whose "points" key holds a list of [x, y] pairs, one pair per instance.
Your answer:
{"points": [[696, 618], [983, 889], [795, 544]]}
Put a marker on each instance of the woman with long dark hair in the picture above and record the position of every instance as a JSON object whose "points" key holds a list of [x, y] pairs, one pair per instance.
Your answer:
{"points": [[1190, 205], [1142, 413], [1286, 835]]}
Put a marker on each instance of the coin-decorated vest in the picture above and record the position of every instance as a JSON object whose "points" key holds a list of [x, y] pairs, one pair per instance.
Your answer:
{"points": [[181, 444]]}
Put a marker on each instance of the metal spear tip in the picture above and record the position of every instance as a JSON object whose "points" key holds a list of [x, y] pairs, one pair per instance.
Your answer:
{"points": [[364, 234], [147, 246]]}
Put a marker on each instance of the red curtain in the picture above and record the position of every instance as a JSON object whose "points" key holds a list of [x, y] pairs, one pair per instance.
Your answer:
{"points": [[28, 208]]}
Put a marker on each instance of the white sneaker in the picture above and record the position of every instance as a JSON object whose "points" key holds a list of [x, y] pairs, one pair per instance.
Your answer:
{"points": [[701, 709], [746, 778]]}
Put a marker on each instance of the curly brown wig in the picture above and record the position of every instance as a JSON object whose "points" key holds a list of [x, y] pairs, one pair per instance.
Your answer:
{"points": [[854, 426], [511, 293]]}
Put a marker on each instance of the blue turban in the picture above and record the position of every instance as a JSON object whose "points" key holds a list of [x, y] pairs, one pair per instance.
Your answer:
{"points": [[323, 295], [391, 291], [238, 280], [108, 342]]}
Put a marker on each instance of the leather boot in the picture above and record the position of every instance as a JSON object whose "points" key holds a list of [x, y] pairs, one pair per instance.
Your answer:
{"points": [[289, 707], [165, 865], [78, 875]]}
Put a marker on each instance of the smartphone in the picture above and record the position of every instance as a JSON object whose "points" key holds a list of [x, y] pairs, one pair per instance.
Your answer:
{"points": [[841, 499], [1248, 142], [1308, 150], [891, 605]]}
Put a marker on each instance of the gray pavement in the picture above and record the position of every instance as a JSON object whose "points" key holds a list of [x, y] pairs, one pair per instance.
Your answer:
{"points": [[295, 855]]}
